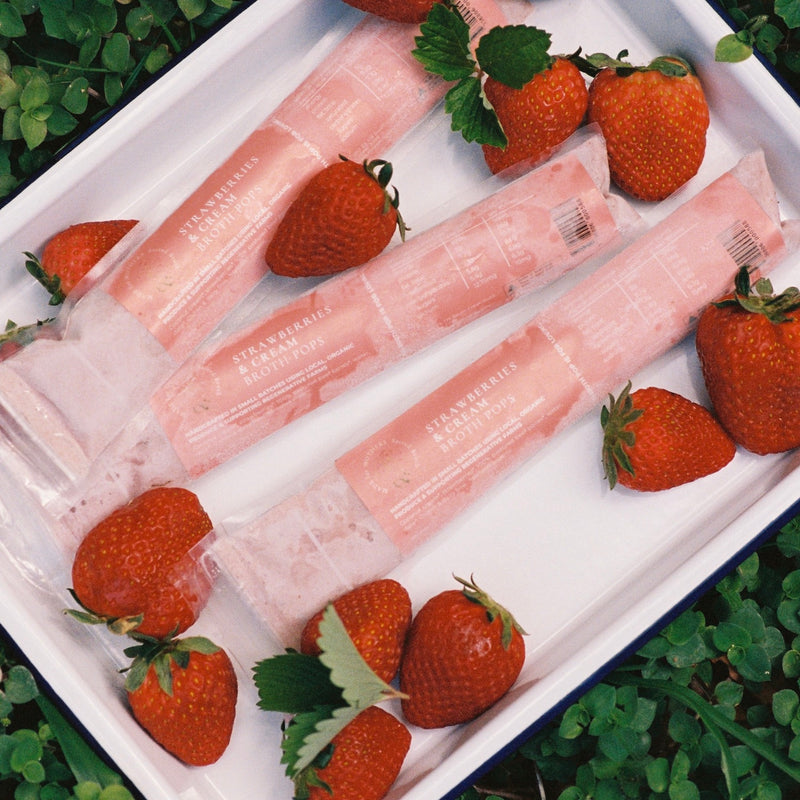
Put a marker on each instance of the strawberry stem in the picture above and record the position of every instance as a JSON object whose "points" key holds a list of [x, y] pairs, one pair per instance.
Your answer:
{"points": [[777, 308], [493, 609]]}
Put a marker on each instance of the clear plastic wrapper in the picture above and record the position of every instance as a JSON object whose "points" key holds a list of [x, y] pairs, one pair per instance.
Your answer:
{"points": [[235, 392], [160, 301], [394, 491]]}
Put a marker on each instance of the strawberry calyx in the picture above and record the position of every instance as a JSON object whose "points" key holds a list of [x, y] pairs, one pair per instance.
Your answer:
{"points": [[381, 172], [668, 65], [493, 609], [308, 777], [121, 626], [160, 653], [52, 283], [761, 299], [615, 419], [510, 54]]}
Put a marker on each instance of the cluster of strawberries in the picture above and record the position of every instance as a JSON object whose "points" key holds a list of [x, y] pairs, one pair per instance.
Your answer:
{"points": [[135, 573], [456, 658]]}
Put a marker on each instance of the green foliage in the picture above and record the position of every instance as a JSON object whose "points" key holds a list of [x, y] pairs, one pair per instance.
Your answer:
{"points": [[65, 63], [771, 28], [41, 756], [708, 708]]}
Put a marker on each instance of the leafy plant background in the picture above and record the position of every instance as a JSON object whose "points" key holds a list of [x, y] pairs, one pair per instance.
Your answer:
{"points": [[42, 756], [66, 63]]}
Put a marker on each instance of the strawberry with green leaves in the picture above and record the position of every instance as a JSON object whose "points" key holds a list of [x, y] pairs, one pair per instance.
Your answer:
{"points": [[748, 344], [362, 761], [396, 10], [464, 651], [183, 693], [512, 97], [376, 616], [344, 216], [72, 252], [655, 439], [335, 735], [654, 119], [134, 570]]}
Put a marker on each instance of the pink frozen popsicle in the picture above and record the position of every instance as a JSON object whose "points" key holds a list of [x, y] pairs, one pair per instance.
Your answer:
{"points": [[144, 317], [234, 393], [395, 490]]}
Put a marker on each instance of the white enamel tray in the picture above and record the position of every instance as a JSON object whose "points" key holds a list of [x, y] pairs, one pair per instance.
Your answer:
{"points": [[587, 572]]}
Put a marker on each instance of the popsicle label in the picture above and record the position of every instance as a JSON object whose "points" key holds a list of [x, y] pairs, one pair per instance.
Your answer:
{"points": [[352, 326], [421, 470], [210, 252]]}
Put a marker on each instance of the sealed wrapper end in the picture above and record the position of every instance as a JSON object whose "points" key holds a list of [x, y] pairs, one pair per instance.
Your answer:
{"points": [[130, 331], [402, 485]]}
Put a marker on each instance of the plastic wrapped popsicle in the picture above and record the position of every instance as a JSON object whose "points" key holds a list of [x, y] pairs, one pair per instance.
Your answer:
{"points": [[228, 396], [399, 487], [147, 313]]}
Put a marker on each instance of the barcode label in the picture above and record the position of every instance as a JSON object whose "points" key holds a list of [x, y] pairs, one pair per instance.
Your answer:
{"points": [[743, 245], [475, 21], [574, 224]]}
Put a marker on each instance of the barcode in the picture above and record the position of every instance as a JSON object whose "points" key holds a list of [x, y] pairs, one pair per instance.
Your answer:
{"points": [[470, 16], [743, 245], [574, 224]]}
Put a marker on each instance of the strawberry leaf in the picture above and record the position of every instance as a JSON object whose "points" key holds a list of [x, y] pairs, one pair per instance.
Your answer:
{"points": [[472, 114], [514, 54], [360, 686], [293, 683], [310, 733], [443, 46]]}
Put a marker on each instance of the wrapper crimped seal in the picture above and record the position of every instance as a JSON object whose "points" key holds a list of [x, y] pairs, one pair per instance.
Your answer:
{"points": [[160, 301], [246, 385], [406, 482]]}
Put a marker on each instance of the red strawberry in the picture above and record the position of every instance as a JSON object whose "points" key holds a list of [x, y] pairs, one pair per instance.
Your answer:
{"points": [[539, 116], [71, 253], [463, 653], [133, 569], [376, 616], [362, 762], [183, 693], [655, 439], [343, 217], [654, 120], [397, 10], [749, 350]]}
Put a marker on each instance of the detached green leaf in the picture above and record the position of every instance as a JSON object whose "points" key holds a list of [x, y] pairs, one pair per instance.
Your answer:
{"points": [[514, 54], [731, 49]]}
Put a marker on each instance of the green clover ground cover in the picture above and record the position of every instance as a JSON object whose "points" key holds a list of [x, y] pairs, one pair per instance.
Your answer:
{"points": [[708, 709], [42, 757], [66, 63], [771, 28]]}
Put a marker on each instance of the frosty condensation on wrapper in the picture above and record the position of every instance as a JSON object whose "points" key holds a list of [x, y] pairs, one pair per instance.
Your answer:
{"points": [[130, 331], [385, 497], [244, 386]]}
